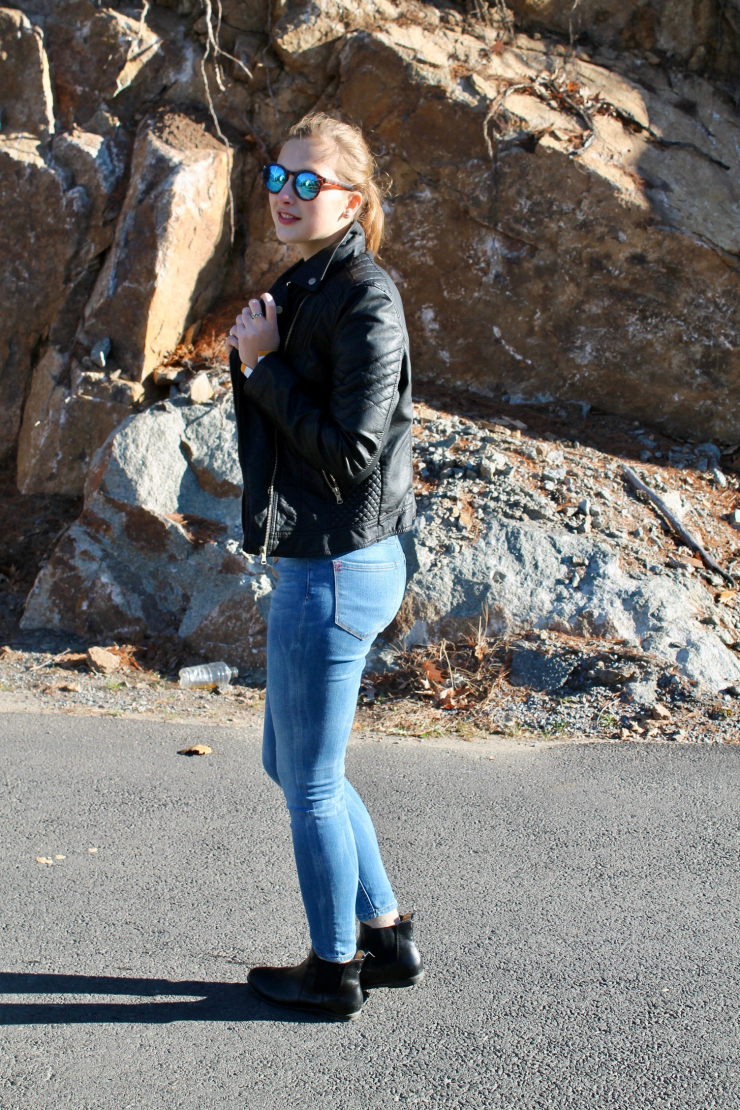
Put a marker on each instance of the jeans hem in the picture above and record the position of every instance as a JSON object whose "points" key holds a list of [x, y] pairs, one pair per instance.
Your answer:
{"points": [[336, 959], [379, 913]]}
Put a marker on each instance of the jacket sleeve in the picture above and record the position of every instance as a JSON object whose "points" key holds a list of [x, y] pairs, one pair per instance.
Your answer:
{"points": [[343, 435]]}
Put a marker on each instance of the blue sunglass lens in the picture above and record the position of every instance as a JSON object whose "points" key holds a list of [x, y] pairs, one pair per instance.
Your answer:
{"points": [[307, 186], [275, 178]]}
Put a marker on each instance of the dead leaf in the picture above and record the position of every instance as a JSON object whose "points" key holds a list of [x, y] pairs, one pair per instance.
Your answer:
{"points": [[60, 857], [45, 860], [726, 595], [69, 687], [432, 671], [498, 47], [196, 749], [103, 661]]}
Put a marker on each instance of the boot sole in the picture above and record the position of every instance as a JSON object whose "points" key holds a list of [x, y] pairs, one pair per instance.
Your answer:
{"points": [[306, 1009], [410, 982]]}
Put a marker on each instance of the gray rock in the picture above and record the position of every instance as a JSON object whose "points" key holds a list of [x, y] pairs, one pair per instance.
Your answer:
{"points": [[643, 691], [709, 451], [156, 550], [99, 353], [512, 576], [538, 670]]}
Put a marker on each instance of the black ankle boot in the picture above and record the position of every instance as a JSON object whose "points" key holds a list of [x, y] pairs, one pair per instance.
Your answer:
{"points": [[393, 959], [317, 985]]}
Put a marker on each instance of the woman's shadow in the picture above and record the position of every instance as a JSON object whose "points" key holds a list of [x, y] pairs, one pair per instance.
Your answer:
{"points": [[149, 1001]]}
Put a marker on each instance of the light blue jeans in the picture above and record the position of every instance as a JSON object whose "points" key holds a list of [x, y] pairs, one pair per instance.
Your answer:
{"points": [[325, 614]]}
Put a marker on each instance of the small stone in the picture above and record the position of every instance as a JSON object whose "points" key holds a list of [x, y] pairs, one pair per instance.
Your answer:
{"points": [[709, 451], [659, 712], [585, 506], [719, 478], [201, 390], [99, 353], [102, 661]]}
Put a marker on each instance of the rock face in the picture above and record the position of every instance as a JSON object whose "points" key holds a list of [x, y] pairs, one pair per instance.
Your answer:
{"points": [[155, 551], [700, 33], [95, 53], [27, 105], [169, 243], [607, 207], [42, 222], [167, 254], [563, 222]]}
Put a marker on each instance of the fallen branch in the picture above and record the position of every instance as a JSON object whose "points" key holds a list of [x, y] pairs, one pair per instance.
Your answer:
{"points": [[676, 524]]}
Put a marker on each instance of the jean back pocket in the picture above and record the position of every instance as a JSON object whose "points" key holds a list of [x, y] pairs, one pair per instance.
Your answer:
{"points": [[367, 595]]}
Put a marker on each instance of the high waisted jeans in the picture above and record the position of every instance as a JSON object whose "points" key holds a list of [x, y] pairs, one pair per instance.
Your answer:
{"points": [[324, 616]]}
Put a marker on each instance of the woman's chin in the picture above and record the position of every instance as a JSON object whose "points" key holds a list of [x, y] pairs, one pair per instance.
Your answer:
{"points": [[287, 233]]}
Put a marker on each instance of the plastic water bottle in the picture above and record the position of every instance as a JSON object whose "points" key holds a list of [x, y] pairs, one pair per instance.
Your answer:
{"points": [[207, 676]]}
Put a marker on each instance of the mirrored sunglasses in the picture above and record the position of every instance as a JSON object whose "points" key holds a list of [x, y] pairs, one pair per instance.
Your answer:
{"points": [[306, 183]]}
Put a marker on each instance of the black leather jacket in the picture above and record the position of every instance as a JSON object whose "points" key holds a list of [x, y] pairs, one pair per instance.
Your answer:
{"points": [[324, 422]]}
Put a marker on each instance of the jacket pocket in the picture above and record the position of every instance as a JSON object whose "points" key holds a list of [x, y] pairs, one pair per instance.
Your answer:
{"points": [[367, 595]]}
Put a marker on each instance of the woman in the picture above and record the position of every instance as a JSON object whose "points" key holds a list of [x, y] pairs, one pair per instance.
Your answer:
{"points": [[322, 388]]}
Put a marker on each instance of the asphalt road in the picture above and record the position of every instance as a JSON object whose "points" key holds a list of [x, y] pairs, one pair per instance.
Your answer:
{"points": [[577, 908]]}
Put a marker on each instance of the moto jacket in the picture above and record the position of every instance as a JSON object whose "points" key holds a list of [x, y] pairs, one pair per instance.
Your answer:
{"points": [[324, 423]]}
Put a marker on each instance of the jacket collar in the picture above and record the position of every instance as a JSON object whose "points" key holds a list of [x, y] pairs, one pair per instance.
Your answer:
{"points": [[311, 273]]}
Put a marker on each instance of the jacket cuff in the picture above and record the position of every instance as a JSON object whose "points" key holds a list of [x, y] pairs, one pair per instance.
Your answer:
{"points": [[266, 365]]}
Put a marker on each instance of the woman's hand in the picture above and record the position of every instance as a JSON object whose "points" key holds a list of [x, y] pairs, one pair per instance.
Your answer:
{"points": [[256, 335]]}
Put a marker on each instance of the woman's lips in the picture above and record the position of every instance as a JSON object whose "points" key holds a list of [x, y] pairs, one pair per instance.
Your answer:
{"points": [[286, 218]]}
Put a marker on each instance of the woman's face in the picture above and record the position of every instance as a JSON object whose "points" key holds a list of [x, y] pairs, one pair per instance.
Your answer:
{"points": [[311, 225]]}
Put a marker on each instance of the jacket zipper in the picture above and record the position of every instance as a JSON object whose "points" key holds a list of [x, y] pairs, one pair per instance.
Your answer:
{"points": [[270, 503], [271, 488], [332, 484]]}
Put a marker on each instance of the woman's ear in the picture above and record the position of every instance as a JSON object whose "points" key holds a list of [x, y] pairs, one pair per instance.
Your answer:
{"points": [[354, 200]]}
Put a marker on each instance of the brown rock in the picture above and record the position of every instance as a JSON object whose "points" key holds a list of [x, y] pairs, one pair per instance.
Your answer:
{"points": [[105, 662], [65, 420], [27, 103], [39, 233], [616, 252], [200, 389], [94, 53], [169, 246]]}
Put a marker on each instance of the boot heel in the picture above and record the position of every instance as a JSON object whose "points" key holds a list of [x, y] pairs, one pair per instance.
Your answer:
{"points": [[393, 959], [411, 982]]}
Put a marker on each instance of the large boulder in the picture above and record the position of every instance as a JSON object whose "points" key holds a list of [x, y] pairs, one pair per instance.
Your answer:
{"points": [[166, 261], [68, 413], [156, 551], [589, 255], [26, 102], [43, 220]]}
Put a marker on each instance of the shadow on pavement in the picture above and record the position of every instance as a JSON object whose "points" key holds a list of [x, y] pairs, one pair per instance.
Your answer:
{"points": [[190, 1001]]}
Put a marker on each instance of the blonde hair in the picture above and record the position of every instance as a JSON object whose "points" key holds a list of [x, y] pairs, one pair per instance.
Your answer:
{"points": [[355, 166]]}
